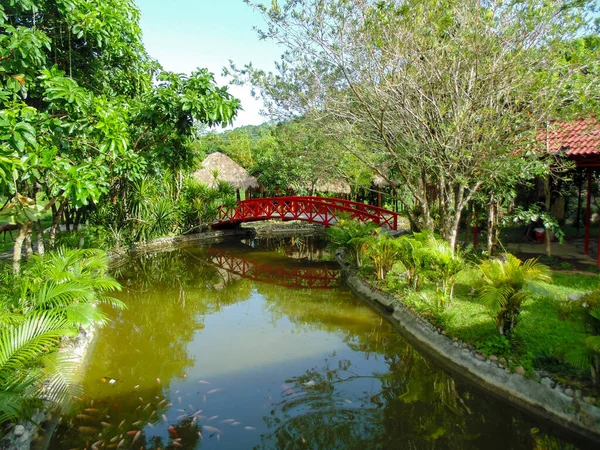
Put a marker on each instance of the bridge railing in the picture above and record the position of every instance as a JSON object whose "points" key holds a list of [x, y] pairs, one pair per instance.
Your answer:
{"points": [[311, 209]]}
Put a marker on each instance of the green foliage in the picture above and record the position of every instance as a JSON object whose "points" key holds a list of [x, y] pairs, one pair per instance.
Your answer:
{"points": [[505, 288], [585, 352], [52, 298], [497, 345], [383, 251], [440, 260], [352, 235]]}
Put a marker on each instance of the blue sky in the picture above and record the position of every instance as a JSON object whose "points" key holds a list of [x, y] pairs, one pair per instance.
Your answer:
{"points": [[185, 34]]}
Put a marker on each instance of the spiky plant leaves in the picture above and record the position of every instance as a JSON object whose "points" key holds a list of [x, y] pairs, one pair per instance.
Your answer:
{"points": [[506, 284], [21, 351]]}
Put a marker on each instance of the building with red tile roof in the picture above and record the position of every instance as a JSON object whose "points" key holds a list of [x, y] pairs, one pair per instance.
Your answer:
{"points": [[578, 139]]}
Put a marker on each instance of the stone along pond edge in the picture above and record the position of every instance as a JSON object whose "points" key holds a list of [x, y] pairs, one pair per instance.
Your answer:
{"points": [[541, 398]]}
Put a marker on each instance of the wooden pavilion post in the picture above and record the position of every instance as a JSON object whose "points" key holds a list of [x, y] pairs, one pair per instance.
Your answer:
{"points": [[379, 197], [588, 214], [598, 248], [579, 189]]}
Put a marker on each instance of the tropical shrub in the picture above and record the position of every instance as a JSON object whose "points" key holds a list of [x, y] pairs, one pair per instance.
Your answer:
{"points": [[351, 235], [52, 298], [439, 260], [506, 285], [383, 251]]}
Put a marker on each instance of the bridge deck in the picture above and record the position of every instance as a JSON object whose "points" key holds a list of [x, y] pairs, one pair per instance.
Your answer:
{"points": [[321, 210]]}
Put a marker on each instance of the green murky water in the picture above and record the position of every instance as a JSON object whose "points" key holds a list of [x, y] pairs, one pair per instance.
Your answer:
{"points": [[255, 344]]}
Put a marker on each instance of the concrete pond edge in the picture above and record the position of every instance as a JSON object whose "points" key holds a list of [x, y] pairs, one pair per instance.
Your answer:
{"points": [[543, 398]]}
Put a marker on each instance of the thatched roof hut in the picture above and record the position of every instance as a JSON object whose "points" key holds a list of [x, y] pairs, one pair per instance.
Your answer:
{"points": [[227, 171], [333, 186]]}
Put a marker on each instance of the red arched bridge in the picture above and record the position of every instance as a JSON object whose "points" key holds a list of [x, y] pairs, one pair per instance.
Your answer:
{"points": [[322, 210]]}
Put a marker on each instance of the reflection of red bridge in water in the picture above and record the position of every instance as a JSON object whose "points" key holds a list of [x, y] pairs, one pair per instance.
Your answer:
{"points": [[321, 277], [322, 210]]}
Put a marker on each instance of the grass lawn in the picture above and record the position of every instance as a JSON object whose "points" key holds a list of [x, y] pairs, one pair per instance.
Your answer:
{"points": [[548, 321]]}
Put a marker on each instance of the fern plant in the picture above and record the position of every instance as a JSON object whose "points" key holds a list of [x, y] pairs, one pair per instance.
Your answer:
{"points": [[506, 286]]}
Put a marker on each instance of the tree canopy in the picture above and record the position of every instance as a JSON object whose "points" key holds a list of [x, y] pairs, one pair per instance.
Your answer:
{"points": [[445, 95]]}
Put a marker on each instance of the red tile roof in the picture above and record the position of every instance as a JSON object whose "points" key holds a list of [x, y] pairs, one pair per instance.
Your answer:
{"points": [[579, 138]]}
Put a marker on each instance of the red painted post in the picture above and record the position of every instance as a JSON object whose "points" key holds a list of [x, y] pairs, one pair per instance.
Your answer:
{"points": [[395, 221], [588, 215], [598, 248]]}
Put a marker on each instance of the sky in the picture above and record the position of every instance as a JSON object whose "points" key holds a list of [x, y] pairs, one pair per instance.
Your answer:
{"points": [[185, 34]]}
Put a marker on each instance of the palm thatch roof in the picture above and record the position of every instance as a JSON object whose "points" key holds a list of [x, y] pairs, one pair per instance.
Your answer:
{"points": [[227, 170], [334, 186]]}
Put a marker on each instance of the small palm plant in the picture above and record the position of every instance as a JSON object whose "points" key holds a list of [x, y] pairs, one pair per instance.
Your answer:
{"points": [[353, 235], [441, 261], [506, 286], [410, 254], [383, 252]]}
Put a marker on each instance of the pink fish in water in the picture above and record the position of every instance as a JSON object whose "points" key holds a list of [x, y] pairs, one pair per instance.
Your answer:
{"points": [[164, 418], [236, 423], [203, 382], [136, 437], [212, 429], [212, 418], [200, 435], [228, 421], [214, 391], [249, 428]]}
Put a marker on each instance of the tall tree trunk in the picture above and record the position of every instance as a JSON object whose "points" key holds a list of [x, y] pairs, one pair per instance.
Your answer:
{"points": [[18, 247], [28, 244], [56, 215], [491, 223], [41, 247]]}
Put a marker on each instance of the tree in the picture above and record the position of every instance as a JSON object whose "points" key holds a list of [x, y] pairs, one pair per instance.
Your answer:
{"points": [[439, 92], [79, 115]]}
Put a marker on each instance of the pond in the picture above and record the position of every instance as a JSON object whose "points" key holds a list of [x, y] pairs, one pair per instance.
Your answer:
{"points": [[257, 344]]}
